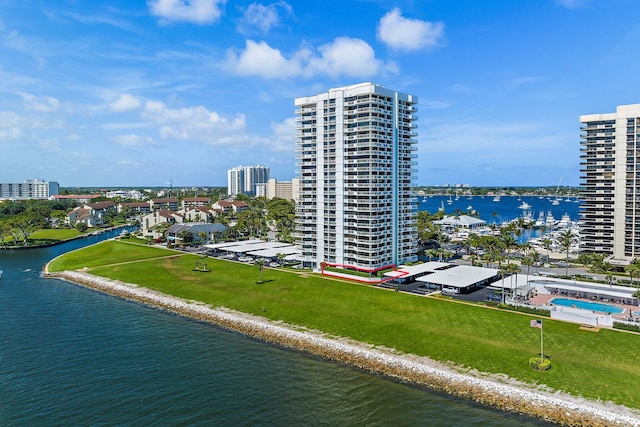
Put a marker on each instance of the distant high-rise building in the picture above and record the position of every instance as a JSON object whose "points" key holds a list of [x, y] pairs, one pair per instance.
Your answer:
{"points": [[355, 158], [243, 179], [609, 166], [288, 190], [235, 181], [29, 189]]}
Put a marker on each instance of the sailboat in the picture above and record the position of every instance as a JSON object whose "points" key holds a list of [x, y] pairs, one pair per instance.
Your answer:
{"points": [[441, 208], [449, 201], [557, 200]]}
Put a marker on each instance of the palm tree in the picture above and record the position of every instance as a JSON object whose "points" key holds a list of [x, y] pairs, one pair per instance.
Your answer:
{"points": [[528, 261], [280, 256], [536, 258], [510, 242], [512, 269], [260, 262], [546, 243], [565, 240], [633, 270]]}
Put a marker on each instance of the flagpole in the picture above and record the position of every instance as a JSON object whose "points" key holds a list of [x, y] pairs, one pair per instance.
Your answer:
{"points": [[541, 344]]}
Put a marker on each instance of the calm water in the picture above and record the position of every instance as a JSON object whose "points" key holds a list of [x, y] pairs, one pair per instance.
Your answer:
{"points": [[71, 356], [505, 210]]}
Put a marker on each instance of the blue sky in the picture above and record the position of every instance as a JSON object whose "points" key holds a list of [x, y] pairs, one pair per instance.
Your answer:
{"points": [[141, 93]]}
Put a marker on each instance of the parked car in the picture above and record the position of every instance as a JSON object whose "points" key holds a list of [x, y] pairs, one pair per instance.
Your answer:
{"points": [[494, 297], [562, 264], [274, 265]]}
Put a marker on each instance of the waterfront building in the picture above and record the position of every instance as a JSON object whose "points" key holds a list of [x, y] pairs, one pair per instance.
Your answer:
{"points": [[609, 165], [29, 189], [355, 159], [244, 179]]}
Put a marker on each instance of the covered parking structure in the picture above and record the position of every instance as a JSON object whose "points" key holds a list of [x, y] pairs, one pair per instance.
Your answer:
{"points": [[409, 273], [442, 276], [256, 248], [459, 279], [221, 246], [290, 253]]}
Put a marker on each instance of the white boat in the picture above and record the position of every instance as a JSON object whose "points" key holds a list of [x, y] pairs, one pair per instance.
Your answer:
{"points": [[540, 221], [496, 198], [550, 221], [565, 221], [449, 201], [555, 202], [441, 208], [524, 205]]}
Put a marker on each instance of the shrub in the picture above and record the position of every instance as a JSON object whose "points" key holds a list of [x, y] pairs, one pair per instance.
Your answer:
{"points": [[539, 363], [525, 309], [626, 327]]}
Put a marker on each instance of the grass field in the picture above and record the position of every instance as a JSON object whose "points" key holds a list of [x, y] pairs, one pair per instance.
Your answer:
{"points": [[49, 235], [599, 365]]}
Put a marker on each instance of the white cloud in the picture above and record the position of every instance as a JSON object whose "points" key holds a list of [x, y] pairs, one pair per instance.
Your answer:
{"points": [[262, 17], [345, 56], [133, 140], [10, 133], [401, 33], [43, 104], [195, 11], [194, 124], [348, 57], [125, 102], [260, 59], [283, 135]]}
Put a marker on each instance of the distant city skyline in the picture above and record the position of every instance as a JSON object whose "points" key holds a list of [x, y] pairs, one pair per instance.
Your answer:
{"points": [[139, 94]]}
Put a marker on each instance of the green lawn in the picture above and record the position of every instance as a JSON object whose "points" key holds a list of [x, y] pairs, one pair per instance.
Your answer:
{"points": [[49, 235], [601, 365]]}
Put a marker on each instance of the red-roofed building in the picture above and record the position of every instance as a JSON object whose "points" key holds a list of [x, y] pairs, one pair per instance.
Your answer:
{"points": [[228, 206]]}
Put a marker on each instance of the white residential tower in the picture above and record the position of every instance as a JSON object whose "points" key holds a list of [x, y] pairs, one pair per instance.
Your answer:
{"points": [[609, 166], [355, 159]]}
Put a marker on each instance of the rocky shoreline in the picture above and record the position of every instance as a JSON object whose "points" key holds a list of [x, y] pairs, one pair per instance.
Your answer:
{"points": [[500, 393]]}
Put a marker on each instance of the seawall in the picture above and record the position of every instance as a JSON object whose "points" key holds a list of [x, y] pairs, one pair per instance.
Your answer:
{"points": [[500, 393]]}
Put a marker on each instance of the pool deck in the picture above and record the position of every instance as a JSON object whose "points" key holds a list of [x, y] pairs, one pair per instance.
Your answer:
{"points": [[543, 300]]}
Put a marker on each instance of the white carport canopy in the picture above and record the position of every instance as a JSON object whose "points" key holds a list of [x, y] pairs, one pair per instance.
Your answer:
{"points": [[459, 276], [254, 247], [408, 271], [229, 244], [273, 252]]}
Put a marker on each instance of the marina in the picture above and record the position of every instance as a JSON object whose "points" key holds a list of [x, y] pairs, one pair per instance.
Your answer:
{"points": [[537, 219]]}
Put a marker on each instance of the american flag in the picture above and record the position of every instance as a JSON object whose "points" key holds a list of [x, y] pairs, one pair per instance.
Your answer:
{"points": [[536, 324]]}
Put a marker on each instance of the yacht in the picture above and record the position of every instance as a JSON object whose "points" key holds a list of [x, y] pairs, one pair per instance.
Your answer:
{"points": [[524, 206], [550, 221], [496, 198], [565, 221]]}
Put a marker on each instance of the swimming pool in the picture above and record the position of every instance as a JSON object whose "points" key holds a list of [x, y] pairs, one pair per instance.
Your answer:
{"points": [[587, 305]]}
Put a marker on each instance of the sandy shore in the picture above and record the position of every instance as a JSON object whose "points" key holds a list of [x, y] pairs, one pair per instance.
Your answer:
{"points": [[493, 390]]}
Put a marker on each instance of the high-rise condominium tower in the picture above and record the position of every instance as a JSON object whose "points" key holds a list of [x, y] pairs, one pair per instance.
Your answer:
{"points": [[243, 179], [355, 158], [609, 166]]}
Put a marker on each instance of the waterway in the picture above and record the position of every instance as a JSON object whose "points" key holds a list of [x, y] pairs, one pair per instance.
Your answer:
{"points": [[506, 209], [72, 356]]}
